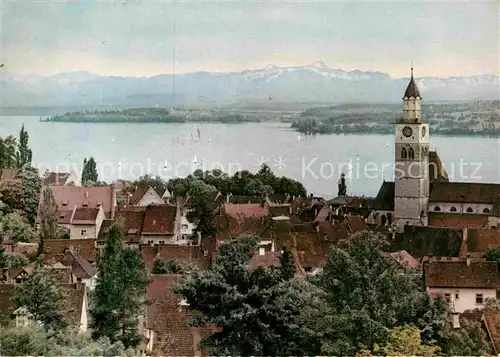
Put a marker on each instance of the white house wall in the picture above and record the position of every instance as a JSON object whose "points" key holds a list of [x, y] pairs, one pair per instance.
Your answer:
{"points": [[477, 208], [466, 297]]}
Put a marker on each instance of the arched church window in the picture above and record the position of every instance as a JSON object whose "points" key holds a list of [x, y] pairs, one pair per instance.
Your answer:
{"points": [[404, 153], [470, 210], [437, 209], [389, 218], [383, 220], [411, 154], [453, 209], [486, 210]]}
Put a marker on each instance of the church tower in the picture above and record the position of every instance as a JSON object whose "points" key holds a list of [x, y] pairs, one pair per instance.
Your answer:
{"points": [[411, 187]]}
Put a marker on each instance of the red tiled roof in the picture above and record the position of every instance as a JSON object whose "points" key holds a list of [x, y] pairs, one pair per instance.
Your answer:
{"points": [[269, 259], [85, 214], [80, 266], [67, 197], [139, 193], [54, 249], [457, 220], [356, 224], [403, 257], [75, 294], [133, 220], [55, 178], [63, 216], [308, 246], [186, 254], [460, 275], [246, 210], [173, 336], [464, 192], [159, 219]]}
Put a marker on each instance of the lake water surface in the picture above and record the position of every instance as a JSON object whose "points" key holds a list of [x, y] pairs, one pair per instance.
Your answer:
{"points": [[130, 150]]}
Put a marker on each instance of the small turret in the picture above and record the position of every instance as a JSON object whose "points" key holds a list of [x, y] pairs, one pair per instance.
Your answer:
{"points": [[412, 89], [342, 186]]}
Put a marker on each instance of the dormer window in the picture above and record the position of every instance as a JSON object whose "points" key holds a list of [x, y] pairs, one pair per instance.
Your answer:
{"points": [[65, 203], [61, 215], [470, 210], [85, 203]]}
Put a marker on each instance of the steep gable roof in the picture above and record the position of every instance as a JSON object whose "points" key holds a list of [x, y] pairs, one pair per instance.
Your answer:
{"points": [[164, 315], [437, 172], [457, 274], [80, 266], [385, 197], [85, 214], [92, 197], [159, 219], [54, 249]]}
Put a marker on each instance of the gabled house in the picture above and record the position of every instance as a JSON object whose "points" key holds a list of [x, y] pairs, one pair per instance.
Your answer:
{"points": [[60, 178], [161, 226], [132, 218], [165, 325], [465, 284], [69, 197], [55, 249], [76, 308], [86, 222], [146, 196], [81, 269]]}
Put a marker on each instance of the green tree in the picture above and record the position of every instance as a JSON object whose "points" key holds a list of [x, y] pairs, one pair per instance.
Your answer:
{"points": [[147, 180], [258, 311], [8, 152], [43, 299], [118, 298], [35, 341], [24, 154], [89, 173], [201, 214], [15, 260], [169, 266], [14, 227], [287, 266], [493, 254], [30, 192], [405, 341], [367, 293], [48, 216]]}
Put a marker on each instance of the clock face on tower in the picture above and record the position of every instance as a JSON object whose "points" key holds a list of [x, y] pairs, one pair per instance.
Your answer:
{"points": [[424, 131], [407, 131]]}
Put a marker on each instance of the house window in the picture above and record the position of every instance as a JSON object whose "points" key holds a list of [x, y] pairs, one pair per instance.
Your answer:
{"points": [[162, 242], [83, 232], [453, 209], [411, 154], [486, 210], [404, 154], [479, 299], [308, 269], [437, 209], [447, 297], [184, 226], [470, 210], [18, 281], [456, 296], [150, 242]]}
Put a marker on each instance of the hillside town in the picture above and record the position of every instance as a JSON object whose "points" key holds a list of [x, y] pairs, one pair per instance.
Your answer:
{"points": [[251, 264]]}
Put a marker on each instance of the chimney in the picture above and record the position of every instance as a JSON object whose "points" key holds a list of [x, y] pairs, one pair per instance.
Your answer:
{"points": [[468, 259]]}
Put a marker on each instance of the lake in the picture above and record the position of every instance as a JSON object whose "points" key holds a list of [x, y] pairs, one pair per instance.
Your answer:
{"points": [[129, 150]]}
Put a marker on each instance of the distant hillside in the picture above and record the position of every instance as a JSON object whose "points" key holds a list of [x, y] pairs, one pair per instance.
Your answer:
{"points": [[313, 83]]}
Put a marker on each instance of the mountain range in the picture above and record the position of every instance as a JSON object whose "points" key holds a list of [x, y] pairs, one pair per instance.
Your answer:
{"points": [[313, 83]]}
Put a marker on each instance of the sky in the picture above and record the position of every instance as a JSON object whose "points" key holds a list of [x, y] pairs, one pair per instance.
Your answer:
{"points": [[146, 38]]}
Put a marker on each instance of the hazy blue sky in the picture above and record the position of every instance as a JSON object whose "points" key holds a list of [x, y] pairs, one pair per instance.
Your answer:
{"points": [[139, 38]]}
